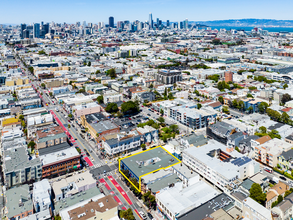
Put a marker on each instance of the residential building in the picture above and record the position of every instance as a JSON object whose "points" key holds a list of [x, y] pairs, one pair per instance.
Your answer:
{"points": [[284, 211], [254, 210], [19, 169], [193, 118], [168, 76], [272, 195], [268, 152], [69, 186], [224, 169], [42, 196], [228, 76], [220, 131], [18, 202]]}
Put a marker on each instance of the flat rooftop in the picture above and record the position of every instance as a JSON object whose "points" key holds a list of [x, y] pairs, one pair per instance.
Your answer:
{"points": [[59, 156], [182, 200], [149, 161]]}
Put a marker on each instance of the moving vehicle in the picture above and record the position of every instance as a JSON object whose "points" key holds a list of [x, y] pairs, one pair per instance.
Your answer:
{"points": [[269, 170]]}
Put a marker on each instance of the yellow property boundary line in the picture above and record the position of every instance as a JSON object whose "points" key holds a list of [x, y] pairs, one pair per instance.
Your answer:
{"points": [[139, 189]]}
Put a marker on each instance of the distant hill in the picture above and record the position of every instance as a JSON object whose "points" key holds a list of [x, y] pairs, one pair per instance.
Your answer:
{"points": [[247, 22]]}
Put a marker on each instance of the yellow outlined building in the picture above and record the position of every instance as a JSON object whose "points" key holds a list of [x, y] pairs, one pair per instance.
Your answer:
{"points": [[144, 155]]}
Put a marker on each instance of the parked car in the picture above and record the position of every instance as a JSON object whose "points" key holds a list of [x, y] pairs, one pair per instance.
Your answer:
{"points": [[150, 216], [282, 178], [142, 215]]}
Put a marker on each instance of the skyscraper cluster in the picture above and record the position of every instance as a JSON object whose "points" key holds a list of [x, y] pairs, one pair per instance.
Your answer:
{"points": [[39, 30], [34, 31]]}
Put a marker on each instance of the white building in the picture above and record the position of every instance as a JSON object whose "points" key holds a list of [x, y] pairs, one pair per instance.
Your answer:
{"points": [[42, 195], [214, 163], [254, 210], [178, 200]]}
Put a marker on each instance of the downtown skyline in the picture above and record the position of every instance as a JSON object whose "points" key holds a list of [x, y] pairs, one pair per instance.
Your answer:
{"points": [[173, 10]]}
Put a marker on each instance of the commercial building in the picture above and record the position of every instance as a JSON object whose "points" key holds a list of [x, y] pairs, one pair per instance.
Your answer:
{"points": [[86, 109], [115, 144], [177, 200], [99, 125], [51, 136], [145, 163], [59, 162], [19, 169], [225, 170]]}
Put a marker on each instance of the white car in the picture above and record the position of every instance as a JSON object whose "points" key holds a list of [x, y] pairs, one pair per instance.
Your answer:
{"points": [[142, 215]]}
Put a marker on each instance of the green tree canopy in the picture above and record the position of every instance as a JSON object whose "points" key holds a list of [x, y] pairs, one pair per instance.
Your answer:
{"points": [[262, 107], [161, 119], [129, 106], [31, 144], [274, 134], [286, 98], [285, 86], [221, 99], [111, 73], [100, 99], [111, 107], [257, 194], [263, 129]]}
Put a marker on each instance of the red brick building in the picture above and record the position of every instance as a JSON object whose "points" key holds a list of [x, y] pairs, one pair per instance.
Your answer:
{"points": [[228, 76]]}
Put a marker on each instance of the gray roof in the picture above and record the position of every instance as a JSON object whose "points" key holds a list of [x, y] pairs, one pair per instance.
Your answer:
{"points": [[163, 183], [196, 140], [103, 126], [184, 170], [53, 149], [17, 159], [14, 195], [52, 137], [246, 184], [288, 155], [247, 140], [145, 157], [207, 208], [72, 200], [285, 205], [221, 127], [236, 135]]}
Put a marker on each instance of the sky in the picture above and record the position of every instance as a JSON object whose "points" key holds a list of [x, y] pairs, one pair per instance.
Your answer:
{"points": [[71, 11]]}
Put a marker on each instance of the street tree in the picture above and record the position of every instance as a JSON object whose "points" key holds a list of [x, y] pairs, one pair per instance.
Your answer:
{"points": [[221, 99]]}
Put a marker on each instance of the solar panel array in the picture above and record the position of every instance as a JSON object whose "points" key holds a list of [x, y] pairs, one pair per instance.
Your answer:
{"points": [[241, 161]]}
